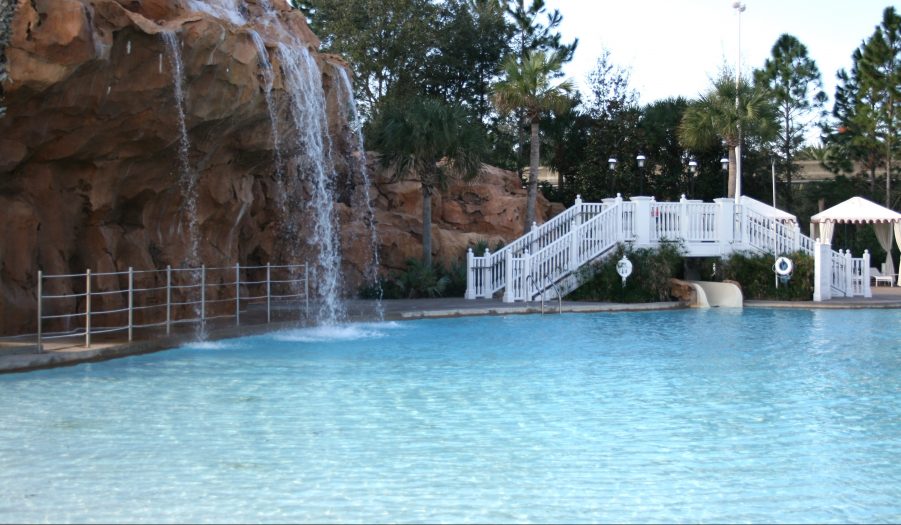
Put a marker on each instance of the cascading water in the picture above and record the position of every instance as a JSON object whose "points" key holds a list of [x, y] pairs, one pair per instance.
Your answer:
{"points": [[231, 10], [268, 80], [313, 164], [349, 109], [187, 176]]}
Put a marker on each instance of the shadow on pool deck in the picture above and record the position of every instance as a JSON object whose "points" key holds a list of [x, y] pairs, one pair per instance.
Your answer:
{"points": [[22, 355]]}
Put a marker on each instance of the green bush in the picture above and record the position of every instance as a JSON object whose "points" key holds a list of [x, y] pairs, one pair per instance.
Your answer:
{"points": [[417, 280], [755, 274], [649, 282]]}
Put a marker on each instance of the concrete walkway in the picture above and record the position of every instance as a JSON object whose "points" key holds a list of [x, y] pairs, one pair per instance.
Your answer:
{"points": [[22, 355]]}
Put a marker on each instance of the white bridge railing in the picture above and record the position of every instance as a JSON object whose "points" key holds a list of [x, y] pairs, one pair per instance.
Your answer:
{"points": [[85, 305], [553, 252]]}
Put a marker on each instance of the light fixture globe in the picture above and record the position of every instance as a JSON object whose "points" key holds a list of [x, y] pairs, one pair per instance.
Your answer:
{"points": [[641, 160], [611, 163]]}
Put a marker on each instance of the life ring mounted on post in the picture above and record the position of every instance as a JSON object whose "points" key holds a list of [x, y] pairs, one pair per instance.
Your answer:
{"points": [[783, 266]]}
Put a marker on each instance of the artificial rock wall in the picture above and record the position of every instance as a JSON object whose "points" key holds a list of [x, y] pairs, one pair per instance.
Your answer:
{"points": [[89, 165]]}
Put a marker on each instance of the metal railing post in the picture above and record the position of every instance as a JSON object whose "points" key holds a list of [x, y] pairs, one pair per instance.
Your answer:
{"points": [[131, 302], [268, 293], [168, 299], [306, 288], [87, 309], [40, 312], [202, 295], [237, 294]]}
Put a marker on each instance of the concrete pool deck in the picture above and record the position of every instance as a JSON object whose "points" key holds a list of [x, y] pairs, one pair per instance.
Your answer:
{"points": [[22, 355]]}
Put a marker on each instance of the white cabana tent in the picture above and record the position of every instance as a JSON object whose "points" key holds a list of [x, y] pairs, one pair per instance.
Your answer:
{"points": [[858, 210]]}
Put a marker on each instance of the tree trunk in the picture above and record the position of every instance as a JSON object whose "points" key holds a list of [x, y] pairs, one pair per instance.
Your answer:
{"points": [[427, 225], [533, 178], [888, 178], [732, 167]]}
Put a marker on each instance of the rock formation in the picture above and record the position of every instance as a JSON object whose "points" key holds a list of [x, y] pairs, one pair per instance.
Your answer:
{"points": [[89, 146]]}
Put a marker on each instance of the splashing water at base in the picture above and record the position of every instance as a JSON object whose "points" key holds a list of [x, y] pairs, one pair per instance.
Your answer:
{"points": [[337, 333]]}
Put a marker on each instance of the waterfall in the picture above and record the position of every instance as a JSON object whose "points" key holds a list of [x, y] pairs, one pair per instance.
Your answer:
{"points": [[315, 171], [349, 109], [232, 10], [187, 178], [268, 79]]}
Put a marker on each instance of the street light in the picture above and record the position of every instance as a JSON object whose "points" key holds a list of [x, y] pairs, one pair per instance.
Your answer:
{"points": [[724, 162], [740, 8], [693, 170], [640, 159], [611, 165]]}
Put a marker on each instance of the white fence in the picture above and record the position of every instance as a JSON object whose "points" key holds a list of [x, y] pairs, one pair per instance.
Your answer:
{"points": [[85, 305], [555, 250]]}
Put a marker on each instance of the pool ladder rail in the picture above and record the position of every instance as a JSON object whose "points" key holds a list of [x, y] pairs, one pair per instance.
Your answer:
{"points": [[541, 290]]}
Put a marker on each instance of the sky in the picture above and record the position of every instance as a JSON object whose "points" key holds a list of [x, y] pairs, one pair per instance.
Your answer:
{"points": [[675, 47]]}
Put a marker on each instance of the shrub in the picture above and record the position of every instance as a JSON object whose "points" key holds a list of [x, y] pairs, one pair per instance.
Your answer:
{"points": [[417, 280], [649, 282], [758, 279]]}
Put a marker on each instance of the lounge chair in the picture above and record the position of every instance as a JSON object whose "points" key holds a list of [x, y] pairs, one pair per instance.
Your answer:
{"points": [[881, 277]]}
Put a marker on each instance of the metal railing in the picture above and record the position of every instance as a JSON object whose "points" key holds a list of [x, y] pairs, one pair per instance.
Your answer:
{"points": [[85, 305]]}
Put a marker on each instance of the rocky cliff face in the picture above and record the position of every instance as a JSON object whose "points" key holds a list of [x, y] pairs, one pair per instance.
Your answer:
{"points": [[89, 150]]}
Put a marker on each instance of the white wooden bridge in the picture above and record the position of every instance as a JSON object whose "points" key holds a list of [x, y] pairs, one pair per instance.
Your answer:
{"points": [[546, 261]]}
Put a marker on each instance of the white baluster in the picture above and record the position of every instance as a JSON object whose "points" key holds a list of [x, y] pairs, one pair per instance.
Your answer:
{"points": [[470, 289]]}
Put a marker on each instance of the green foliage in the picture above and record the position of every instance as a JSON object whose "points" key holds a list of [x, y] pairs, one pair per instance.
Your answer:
{"points": [[867, 125], [715, 116], [649, 282], [795, 84], [430, 141], [528, 87], [757, 278], [419, 280]]}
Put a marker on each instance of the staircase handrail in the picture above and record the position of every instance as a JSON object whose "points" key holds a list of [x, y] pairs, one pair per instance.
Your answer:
{"points": [[539, 237], [557, 261], [773, 236]]}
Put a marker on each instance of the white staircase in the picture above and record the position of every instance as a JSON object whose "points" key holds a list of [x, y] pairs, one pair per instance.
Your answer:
{"points": [[549, 260]]}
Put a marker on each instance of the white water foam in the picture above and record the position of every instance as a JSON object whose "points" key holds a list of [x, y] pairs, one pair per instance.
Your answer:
{"points": [[336, 333], [209, 345]]}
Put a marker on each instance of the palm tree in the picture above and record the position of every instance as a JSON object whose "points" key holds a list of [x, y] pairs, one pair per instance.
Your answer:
{"points": [[528, 86], [715, 115], [427, 140]]}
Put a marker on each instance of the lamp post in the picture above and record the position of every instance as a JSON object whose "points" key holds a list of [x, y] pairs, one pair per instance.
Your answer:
{"points": [[611, 165], [724, 162], [693, 173], [740, 8], [774, 181], [640, 159]]}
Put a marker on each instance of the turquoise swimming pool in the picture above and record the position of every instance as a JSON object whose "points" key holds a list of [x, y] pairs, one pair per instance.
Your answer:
{"points": [[704, 416]]}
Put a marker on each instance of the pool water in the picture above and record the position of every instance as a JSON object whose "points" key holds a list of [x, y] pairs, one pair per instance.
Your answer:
{"points": [[703, 416]]}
